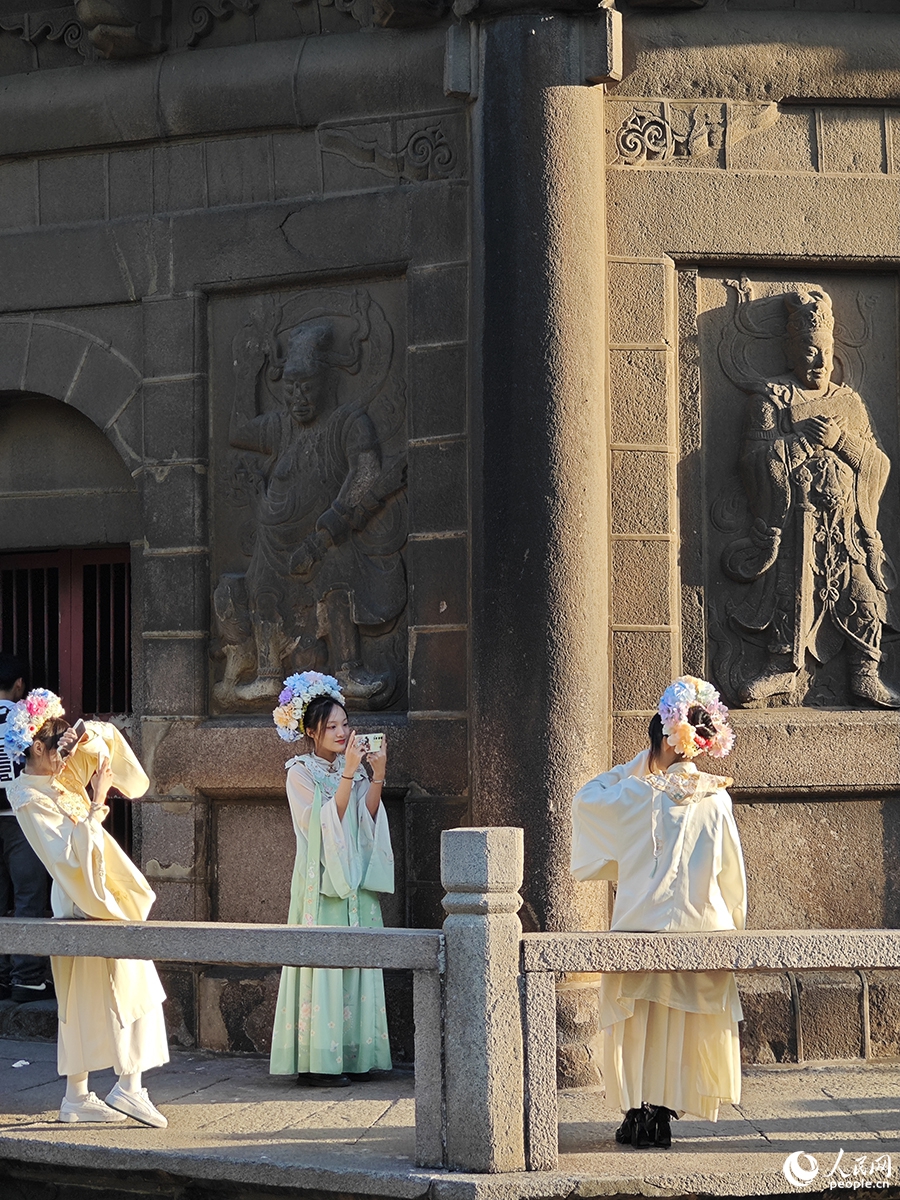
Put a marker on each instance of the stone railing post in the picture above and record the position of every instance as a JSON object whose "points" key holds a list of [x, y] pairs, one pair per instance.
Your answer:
{"points": [[481, 870]]}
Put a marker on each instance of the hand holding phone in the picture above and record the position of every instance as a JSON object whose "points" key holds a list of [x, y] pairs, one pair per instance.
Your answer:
{"points": [[72, 737]]}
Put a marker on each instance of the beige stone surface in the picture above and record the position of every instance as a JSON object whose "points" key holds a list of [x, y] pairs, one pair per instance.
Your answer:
{"points": [[230, 1121], [640, 582], [638, 381], [814, 865], [761, 55], [637, 303], [640, 496], [642, 666], [254, 847]]}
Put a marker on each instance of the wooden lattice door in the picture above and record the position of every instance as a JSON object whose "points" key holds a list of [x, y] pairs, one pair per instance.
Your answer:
{"points": [[68, 614]]}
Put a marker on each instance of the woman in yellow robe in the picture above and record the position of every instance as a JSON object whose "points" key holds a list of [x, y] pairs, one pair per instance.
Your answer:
{"points": [[665, 833], [110, 1010]]}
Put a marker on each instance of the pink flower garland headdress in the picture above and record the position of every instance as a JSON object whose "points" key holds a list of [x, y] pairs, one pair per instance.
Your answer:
{"points": [[677, 701], [26, 719]]}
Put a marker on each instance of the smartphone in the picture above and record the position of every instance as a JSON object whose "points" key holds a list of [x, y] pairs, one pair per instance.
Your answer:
{"points": [[370, 743], [81, 730]]}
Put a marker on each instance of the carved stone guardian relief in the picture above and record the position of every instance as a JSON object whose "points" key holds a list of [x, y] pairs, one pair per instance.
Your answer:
{"points": [[798, 434], [316, 465]]}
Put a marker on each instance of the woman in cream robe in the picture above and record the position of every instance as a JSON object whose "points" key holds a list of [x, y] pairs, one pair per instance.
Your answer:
{"points": [[669, 839], [110, 1010]]}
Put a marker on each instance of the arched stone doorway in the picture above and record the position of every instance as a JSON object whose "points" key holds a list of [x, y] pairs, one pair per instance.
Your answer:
{"points": [[69, 515]]}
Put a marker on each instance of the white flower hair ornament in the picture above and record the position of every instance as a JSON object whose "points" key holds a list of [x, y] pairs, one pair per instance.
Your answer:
{"points": [[678, 699], [297, 694], [26, 719]]}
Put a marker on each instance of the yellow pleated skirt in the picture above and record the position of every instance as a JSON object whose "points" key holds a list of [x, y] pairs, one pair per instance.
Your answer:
{"points": [[689, 1062]]}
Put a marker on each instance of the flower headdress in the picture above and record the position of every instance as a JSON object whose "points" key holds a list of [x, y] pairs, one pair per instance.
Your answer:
{"points": [[298, 692], [677, 700], [27, 717]]}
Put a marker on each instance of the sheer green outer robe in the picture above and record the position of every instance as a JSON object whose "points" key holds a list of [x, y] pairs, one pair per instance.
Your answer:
{"points": [[331, 1021]]}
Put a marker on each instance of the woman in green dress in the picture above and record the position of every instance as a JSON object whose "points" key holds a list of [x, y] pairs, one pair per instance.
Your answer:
{"points": [[330, 1024]]}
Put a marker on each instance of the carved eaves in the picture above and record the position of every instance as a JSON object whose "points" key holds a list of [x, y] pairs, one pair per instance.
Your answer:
{"points": [[205, 15], [52, 25]]}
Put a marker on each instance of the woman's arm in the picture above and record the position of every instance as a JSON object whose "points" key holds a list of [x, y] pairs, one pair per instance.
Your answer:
{"points": [[72, 852], [352, 759], [377, 760], [105, 742]]}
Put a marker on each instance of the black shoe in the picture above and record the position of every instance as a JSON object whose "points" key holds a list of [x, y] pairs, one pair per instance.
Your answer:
{"points": [[5, 991], [643, 1131], [22, 994], [313, 1079], [626, 1129]]}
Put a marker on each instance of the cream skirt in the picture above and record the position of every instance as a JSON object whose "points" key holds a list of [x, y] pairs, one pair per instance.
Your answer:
{"points": [[687, 1061], [91, 1037]]}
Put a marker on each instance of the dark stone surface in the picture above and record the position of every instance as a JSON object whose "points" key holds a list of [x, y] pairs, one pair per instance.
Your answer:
{"points": [[437, 304], [436, 377], [237, 1008], [176, 420], [831, 1014], [768, 1031], [438, 578], [72, 189], [538, 534], [180, 1007], [438, 670], [175, 675], [175, 590], [425, 909], [54, 356], [884, 1013], [437, 487], [173, 335], [174, 505], [35, 1022], [426, 819]]}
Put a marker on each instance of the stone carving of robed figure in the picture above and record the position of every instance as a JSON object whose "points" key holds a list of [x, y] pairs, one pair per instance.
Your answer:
{"points": [[814, 476], [325, 559]]}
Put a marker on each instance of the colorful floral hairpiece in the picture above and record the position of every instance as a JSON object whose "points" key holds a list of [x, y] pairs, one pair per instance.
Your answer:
{"points": [[26, 719], [295, 698], [677, 701]]}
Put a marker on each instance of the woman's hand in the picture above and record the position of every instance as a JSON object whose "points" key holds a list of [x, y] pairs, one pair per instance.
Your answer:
{"points": [[67, 743], [101, 783], [352, 755], [377, 760]]}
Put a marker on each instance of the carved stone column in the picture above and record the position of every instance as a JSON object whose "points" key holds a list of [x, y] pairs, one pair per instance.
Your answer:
{"points": [[539, 464], [481, 870]]}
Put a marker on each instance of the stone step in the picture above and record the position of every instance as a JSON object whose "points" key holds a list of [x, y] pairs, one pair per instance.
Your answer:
{"points": [[34, 1022]]}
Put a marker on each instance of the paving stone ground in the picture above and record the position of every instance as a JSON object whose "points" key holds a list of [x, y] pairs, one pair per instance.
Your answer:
{"points": [[232, 1125]]}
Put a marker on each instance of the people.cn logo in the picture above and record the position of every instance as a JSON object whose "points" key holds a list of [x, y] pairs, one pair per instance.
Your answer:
{"points": [[796, 1172]]}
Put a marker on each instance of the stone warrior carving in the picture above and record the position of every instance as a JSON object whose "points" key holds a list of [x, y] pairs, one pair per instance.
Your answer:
{"points": [[329, 508], [817, 572]]}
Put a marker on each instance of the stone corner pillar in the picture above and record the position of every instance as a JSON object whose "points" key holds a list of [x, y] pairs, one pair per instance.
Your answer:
{"points": [[481, 871], [539, 486]]}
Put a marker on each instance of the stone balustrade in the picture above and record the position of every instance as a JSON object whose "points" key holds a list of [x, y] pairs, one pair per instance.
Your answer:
{"points": [[484, 995]]}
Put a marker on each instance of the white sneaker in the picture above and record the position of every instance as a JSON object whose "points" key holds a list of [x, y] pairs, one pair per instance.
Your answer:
{"points": [[137, 1105], [87, 1108]]}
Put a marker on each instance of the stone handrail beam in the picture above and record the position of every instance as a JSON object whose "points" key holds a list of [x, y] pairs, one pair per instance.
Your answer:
{"points": [[753, 950], [545, 954], [212, 942], [418, 950], [484, 995]]}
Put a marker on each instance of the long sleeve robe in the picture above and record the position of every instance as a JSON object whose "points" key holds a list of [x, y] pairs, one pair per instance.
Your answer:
{"points": [[331, 1021], [110, 1010], [671, 843]]}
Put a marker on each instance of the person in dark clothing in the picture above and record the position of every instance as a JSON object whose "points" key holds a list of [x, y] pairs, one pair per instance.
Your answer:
{"points": [[24, 882]]}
